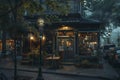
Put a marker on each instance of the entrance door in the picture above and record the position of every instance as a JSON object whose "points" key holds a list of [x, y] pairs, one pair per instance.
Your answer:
{"points": [[66, 47]]}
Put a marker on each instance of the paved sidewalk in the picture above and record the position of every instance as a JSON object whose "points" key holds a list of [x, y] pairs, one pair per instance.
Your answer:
{"points": [[107, 72]]}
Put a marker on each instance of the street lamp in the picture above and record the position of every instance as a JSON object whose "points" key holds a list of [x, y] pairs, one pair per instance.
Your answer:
{"points": [[40, 22], [31, 39]]}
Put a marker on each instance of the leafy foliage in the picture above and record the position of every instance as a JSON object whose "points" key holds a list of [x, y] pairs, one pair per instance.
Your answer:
{"points": [[58, 5], [106, 11], [4, 19], [33, 7]]}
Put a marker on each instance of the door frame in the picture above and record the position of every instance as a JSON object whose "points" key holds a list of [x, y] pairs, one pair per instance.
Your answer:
{"points": [[66, 37]]}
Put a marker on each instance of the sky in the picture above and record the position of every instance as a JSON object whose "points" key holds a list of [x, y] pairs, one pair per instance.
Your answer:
{"points": [[115, 34], [113, 38]]}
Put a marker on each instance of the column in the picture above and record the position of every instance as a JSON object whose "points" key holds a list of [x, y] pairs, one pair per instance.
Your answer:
{"points": [[76, 43]]}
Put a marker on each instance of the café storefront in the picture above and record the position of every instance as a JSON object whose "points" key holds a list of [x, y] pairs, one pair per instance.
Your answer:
{"points": [[75, 38], [72, 37]]}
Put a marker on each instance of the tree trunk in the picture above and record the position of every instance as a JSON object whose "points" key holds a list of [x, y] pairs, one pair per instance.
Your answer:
{"points": [[3, 42]]}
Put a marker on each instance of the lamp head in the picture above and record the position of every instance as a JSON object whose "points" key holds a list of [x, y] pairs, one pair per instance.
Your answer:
{"points": [[40, 22]]}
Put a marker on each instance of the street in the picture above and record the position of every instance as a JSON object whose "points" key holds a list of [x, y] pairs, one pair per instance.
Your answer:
{"points": [[32, 76], [117, 70], [116, 67]]}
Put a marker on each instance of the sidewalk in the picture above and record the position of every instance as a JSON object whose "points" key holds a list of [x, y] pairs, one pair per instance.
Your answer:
{"points": [[107, 72]]}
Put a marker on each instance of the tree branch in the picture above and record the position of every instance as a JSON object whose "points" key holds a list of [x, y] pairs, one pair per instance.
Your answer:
{"points": [[13, 8]]}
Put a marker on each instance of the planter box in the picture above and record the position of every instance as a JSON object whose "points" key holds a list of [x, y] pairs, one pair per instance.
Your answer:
{"points": [[89, 65], [87, 62]]}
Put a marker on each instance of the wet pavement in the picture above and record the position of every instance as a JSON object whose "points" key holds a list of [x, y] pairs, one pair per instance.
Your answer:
{"points": [[23, 75], [107, 72]]}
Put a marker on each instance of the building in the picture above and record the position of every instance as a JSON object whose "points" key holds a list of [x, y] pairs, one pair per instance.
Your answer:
{"points": [[73, 35]]}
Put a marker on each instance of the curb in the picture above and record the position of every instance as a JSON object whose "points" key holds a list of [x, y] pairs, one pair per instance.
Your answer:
{"points": [[78, 75], [64, 73]]}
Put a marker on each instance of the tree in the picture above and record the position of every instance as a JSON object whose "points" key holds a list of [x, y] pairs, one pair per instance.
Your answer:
{"points": [[103, 10], [4, 21], [106, 11], [12, 12]]}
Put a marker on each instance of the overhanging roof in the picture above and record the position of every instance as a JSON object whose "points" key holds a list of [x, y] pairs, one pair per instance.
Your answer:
{"points": [[73, 20], [77, 24]]}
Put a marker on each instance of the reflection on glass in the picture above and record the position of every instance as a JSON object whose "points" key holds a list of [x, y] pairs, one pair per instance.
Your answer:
{"points": [[87, 42]]}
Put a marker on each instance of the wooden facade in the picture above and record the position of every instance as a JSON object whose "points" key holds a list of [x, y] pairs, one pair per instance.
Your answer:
{"points": [[74, 36]]}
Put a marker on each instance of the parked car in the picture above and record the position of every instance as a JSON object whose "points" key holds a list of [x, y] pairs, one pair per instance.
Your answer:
{"points": [[114, 57], [111, 56], [108, 50], [117, 56]]}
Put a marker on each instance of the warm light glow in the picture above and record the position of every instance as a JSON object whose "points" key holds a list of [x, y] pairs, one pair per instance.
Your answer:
{"points": [[65, 28], [31, 38], [68, 43], [93, 43], [86, 38], [43, 38], [79, 35], [40, 22]]}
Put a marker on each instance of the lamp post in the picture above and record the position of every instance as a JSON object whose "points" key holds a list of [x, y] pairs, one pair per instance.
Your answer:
{"points": [[118, 40], [40, 24]]}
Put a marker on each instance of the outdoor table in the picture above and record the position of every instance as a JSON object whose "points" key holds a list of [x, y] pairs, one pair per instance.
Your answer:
{"points": [[53, 62], [53, 58]]}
